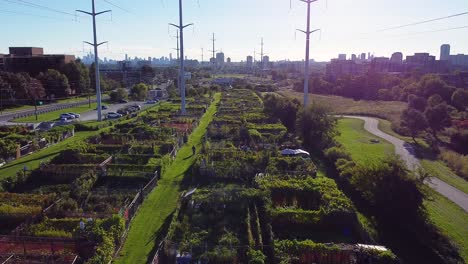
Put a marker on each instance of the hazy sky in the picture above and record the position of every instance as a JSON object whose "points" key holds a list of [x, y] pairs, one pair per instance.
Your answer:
{"points": [[348, 26]]}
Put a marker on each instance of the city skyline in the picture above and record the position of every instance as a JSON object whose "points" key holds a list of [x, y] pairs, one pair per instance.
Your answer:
{"points": [[348, 27]]}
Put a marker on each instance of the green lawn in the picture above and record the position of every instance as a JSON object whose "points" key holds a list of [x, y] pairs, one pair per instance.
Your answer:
{"points": [[450, 219], [357, 141], [159, 205], [55, 114]]}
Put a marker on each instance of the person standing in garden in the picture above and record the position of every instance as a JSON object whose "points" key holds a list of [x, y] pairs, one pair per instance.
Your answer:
{"points": [[194, 150]]}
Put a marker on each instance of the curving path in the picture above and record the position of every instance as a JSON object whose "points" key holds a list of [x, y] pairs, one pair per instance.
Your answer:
{"points": [[406, 151]]}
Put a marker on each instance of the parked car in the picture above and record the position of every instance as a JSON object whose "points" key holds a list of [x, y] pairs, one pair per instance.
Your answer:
{"points": [[123, 101], [137, 106], [103, 107], [65, 117], [123, 111], [75, 115], [113, 115], [151, 102]]}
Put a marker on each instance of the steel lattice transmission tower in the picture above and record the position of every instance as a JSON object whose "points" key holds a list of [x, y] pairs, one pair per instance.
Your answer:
{"points": [[96, 57], [214, 51], [306, 66], [181, 27]]}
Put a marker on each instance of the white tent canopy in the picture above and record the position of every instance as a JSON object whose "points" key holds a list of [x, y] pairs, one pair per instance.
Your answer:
{"points": [[294, 152]]}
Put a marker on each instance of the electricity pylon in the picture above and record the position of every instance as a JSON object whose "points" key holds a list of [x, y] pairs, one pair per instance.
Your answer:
{"points": [[306, 67], [181, 27], [96, 57]]}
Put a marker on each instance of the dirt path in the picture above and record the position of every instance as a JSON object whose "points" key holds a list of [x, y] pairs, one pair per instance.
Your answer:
{"points": [[406, 151]]}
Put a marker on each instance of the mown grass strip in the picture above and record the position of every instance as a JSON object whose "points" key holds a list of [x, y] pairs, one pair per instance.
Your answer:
{"points": [[159, 205], [450, 219], [358, 142]]}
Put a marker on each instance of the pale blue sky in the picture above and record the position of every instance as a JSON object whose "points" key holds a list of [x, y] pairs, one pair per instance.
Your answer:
{"points": [[348, 26]]}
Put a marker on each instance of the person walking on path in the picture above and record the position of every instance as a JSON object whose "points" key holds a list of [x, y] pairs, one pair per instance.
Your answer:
{"points": [[194, 150]]}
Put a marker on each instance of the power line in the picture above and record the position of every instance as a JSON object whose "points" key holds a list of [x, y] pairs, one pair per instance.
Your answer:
{"points": [[115, 5], [423, 22], [29, 4], [27, 14]]}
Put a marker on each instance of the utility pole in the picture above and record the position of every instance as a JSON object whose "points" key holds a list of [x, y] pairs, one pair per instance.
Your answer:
{"points": [[306, 66], [214, 50], [202, 53], [261, 56], [181, 27], [96, 57]]}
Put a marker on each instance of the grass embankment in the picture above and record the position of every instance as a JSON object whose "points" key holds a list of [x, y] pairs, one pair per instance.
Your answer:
{"points": [[390, 110], [358, 141], [159, 205], [50, 116], [449, 218], [32, 161]]}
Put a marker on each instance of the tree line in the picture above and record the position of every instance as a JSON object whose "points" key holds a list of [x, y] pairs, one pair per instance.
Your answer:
{"points": [[73, 78]]}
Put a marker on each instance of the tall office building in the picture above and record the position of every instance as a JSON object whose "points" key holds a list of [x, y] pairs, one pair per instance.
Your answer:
{"points": [[220, 58], [445, 52], [341, 56], [353, 57], [363, 56], [397, 57], [249, 61]]}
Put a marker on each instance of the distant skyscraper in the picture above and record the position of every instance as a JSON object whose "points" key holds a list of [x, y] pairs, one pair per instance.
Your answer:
{"points": [[170, 56], [228, 60], [266, 60], [249, 61], [445, 52], [220, 58], [363, 56], [397, 57], [353, 57], [341, 56], [126, 57]]}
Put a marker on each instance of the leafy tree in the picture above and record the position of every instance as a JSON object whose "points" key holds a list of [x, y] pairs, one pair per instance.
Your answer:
{"points": [[55, 83], [431, 84], [438, 118], [316, 127], [389, 187], [7, 82], [435, 100], [414, 121], [78, 76], [7, 149], [139, 91], [416, 102], [284, 109], [460, 99], [119, 94]]}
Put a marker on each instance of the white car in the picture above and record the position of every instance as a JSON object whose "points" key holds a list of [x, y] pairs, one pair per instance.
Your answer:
{"points": [[65, 117], [75, 115], [113, 115]]}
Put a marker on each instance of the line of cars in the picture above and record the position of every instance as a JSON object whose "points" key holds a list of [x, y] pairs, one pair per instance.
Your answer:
{"points": [[68, 116], [124, 111]]}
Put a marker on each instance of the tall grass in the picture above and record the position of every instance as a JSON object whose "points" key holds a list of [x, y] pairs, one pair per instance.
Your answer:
{"points": [[456, 161]]}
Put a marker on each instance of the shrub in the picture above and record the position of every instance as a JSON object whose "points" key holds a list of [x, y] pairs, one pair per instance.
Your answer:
{"points": [[256, 257], [336, 153]]}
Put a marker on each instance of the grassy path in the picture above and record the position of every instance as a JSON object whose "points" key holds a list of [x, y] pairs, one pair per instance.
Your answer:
{"points": [[158, 207]]}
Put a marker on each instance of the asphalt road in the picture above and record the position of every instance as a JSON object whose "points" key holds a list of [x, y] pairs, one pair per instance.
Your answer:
{"points": [[7, 116], [92, 115], [406, 152]]}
